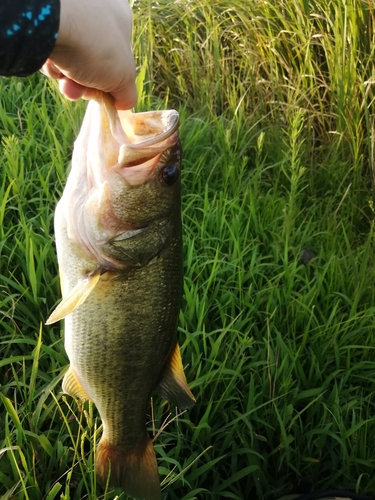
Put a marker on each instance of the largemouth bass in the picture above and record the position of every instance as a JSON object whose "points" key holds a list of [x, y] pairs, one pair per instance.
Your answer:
{"points": [[119, 248]]}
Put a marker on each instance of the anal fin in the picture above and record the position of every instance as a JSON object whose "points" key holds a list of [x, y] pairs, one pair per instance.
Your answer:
{"points": [[76, 297], [173, 385], [72, 386]]}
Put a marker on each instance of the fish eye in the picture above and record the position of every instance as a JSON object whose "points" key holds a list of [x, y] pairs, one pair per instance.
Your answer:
{"points": [[170, 174]]}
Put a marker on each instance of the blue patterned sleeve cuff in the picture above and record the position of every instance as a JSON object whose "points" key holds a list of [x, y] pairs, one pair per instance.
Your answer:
{"points": [[28, 33]]}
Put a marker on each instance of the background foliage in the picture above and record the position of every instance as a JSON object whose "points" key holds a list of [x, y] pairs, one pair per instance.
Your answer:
{"points": [[277, 325]]}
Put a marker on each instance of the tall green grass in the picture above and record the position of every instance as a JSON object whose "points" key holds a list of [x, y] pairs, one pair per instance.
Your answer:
{"points": [[277, 126]]}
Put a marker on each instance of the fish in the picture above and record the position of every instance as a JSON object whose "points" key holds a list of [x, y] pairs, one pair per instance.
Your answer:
{"points": [[118, 235]]}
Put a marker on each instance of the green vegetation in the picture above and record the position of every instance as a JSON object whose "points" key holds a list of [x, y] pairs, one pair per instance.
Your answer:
{"points": [[277, 111]]}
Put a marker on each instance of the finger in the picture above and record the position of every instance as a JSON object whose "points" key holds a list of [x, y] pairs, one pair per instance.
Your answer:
{"points": [[50, 70], [125, 94], [91, 93], [127, 99], [71, 89], [74, 91]]}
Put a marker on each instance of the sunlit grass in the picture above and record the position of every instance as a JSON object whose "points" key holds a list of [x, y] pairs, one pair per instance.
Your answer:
{"points": [[276, 106]]}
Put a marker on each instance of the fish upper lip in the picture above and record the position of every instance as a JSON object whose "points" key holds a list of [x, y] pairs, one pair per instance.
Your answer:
{"points": [[173, 121]]}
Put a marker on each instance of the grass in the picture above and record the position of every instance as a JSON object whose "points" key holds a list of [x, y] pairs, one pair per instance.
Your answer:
{"points": [[277, 112]]}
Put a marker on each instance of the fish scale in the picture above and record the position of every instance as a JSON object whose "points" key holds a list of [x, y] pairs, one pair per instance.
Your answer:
{"points": [[148, 338]]}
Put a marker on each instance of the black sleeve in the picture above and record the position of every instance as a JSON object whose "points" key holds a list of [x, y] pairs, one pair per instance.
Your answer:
{"points": [[28, 32]]}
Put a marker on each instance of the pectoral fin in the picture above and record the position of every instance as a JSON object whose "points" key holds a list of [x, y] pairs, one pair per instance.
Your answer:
{"points": [[73, 387], [173, 385], [75, 297]]}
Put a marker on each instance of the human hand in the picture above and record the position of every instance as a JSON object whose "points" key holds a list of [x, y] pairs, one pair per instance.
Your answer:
{"points": [[93, 51]]}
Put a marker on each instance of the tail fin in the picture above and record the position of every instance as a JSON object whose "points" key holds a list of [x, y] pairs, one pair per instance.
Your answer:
{"points": [[135, 471]]}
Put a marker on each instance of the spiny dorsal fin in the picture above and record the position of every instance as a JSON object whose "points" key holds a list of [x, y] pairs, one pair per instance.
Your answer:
{"points": [[76, 297], [72, 386], [173, 385]]}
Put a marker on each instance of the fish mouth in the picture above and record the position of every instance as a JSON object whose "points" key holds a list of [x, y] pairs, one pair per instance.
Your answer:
{"points": [[144, 130], [142, 139]]}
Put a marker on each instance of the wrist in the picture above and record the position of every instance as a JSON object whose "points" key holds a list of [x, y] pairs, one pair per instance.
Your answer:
{"points": [[68, 16]]}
